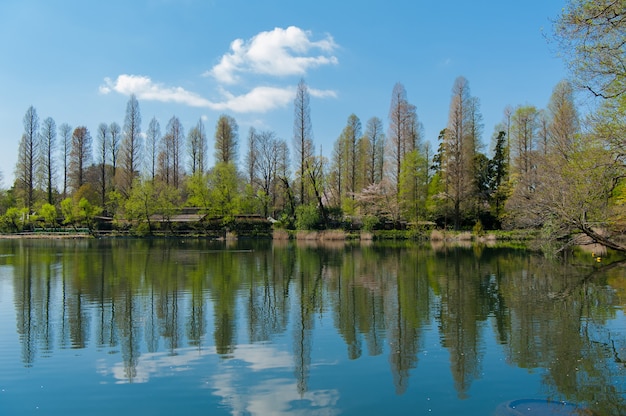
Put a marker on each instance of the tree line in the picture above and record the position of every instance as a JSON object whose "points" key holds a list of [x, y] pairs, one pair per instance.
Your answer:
{"points": [[548, 168]]}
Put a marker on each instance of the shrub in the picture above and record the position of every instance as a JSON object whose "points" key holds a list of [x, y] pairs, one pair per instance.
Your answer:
{"points": [[307, 217], [370, 222]]}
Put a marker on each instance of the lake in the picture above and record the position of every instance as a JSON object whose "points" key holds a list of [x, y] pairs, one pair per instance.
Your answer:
{"points": [[161, 327]]}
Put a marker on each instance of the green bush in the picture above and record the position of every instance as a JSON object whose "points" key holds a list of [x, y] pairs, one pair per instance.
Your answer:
{"points": [[307, 217], [370, 222]]}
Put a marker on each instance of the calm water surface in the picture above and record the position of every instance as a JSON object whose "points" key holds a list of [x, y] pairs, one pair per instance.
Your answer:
{"points": [[121, 327]]}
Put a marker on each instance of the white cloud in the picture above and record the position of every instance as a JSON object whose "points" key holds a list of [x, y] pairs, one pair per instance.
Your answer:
{"points": [[322, 93], [258, 100], [278, 52], [145, 89]]}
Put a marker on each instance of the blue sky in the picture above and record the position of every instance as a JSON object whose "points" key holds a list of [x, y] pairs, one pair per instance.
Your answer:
{"points": [[78, 61]]}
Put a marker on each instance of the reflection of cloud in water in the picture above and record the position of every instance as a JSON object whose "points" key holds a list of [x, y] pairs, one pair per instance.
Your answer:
{"points": [[155, 364], [251, 382], [276, 395]]}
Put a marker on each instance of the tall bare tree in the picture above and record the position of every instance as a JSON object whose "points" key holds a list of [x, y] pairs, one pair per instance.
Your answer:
{"points": [[153, 140], [403, 132], [80, 156], [284, 193], [564, 121], [131, 144], [346, 175], [353, 133], [197, 145], [102, 156], [115, 133], [524, 142], [302, 133], [267, 167], [375, 150], [170, 168], [65, 130], [226, 140], [47, 149], [461, 140], [337, 176], [26, 167], [252, 156]]}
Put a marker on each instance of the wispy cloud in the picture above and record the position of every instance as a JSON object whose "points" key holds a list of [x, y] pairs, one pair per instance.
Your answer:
{"points": [[279, 52]]}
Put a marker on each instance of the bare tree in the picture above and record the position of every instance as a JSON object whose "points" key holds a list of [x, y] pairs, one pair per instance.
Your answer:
{"points": [[302, 133], [252, 156], [564, 120], [284, 193], [337, 176], [65, 130], [460, 146], [153, 139], [375, 150], [524, 142], [46, 164], [269, 163], [197, 144], [170, 168], [80, 156], [102, 159], [131, 144], [543, 132], [353, 134], [26, 167], [114, 143], [403, 130], [315, 174]]}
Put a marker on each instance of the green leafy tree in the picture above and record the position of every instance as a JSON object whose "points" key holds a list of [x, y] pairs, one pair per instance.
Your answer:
{"points": [[499, 170], [413, 186], [49, 214], [198, 191], [87, 212], [78, 211], [13, 219], [141, 205], [224, 192], [308, 217]]}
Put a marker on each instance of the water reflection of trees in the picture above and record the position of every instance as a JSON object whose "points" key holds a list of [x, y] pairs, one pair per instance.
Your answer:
{"points": [[142, 296]]}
